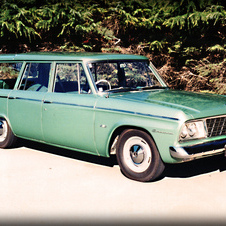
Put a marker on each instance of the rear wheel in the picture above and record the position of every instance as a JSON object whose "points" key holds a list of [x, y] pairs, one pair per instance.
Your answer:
{"points": [[7, 138], [138, 156]]}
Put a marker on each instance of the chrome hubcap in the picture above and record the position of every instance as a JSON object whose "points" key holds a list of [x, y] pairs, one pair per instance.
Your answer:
{"points": [[137, 154]]}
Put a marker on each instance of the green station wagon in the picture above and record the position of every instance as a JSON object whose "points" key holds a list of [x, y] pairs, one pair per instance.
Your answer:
{"points": [[108, 104]]}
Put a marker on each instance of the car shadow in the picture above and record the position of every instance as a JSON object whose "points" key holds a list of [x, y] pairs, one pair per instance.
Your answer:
{"points": [[196, 167], [110, 162], [181, 170]]}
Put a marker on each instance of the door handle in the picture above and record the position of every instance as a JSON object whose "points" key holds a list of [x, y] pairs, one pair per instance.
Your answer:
{"points": [[47, 102], [11, 98]]}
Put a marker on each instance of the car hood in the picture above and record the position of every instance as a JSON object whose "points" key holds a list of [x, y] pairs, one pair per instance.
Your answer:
{"points": [[196, 105]]}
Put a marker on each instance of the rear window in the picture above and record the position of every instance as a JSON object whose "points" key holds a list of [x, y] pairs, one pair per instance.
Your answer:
{"points": [[8, 74]]}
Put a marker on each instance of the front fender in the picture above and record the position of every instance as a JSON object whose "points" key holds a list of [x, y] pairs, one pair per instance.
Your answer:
{"points": [[163, 131]]}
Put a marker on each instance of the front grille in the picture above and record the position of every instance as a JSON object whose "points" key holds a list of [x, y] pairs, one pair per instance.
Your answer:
{"points": [[216, 126]]}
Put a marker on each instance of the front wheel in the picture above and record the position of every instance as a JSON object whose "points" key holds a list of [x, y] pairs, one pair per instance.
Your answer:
{"points": [[138, 157], [7, 138]]}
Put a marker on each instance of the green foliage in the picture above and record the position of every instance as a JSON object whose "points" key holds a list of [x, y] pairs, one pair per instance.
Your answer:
{"points": [[131, 21], [216, 48], [15, 22], [175, 30]]}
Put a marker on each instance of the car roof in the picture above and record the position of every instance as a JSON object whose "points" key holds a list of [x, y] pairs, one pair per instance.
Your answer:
{"points": [[68, 56]]}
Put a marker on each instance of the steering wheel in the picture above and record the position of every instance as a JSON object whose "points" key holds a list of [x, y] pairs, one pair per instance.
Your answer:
{"points": [[103, 80]]}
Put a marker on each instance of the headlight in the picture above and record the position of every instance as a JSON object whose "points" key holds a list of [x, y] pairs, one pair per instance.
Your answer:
{"points": [[192, 130]]}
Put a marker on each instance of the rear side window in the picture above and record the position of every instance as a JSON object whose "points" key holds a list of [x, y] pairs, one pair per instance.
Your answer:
{"points": [[35, 77], [8, 74], [71, 78]]}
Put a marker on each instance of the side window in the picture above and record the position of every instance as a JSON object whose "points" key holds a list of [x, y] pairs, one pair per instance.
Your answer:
{"points": [[8, 74], [36, 77], [71, 78]]}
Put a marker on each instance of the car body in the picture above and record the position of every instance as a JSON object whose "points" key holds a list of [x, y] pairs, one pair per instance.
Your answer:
{"points": [[106, 104]]}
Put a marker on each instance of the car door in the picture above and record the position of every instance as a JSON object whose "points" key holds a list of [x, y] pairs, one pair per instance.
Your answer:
{"points": [[68, 112], [25, 103]]}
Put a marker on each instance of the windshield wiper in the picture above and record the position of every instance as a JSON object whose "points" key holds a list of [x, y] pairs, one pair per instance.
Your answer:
{"points": [[122, 89], [127, 89], [153, 87]]}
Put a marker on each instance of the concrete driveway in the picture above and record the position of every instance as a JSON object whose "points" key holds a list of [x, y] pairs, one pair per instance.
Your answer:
{"points": [[43, 184]]}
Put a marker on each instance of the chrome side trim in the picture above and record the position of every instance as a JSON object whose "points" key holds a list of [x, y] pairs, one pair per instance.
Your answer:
{"points": [[23, 98], [112, 109], [137, 113], [69, 104]]}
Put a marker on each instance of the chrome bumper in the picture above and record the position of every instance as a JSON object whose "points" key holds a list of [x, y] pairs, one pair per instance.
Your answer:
{"points": [[189, 153]]}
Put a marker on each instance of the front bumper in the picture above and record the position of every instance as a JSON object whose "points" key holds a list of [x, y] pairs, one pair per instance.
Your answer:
{"points": [[189, 153]]}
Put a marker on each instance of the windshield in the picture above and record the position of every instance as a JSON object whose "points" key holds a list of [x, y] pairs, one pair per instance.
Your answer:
{"points": [[124, 76]]}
